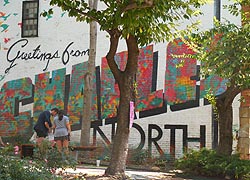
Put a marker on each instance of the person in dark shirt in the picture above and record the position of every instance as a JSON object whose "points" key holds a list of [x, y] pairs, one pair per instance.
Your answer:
{"points": [[43, 125]]}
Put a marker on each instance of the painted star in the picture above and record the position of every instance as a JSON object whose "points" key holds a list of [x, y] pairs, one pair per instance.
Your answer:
{"points": [[2, 14], [63, 14], [5, 17], [4, 26], [6, 40], [48, 17], [6, 2]]}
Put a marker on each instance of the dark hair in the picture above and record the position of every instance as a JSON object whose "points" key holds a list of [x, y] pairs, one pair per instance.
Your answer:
{"points": [[60, 115], [55, 109]]}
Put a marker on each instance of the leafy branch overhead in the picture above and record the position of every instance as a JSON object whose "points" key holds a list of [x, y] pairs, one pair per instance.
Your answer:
{"points": [[148, 20], [225, 51]]}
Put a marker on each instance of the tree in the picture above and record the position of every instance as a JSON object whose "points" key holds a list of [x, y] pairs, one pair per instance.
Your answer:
{"points": [[88, 79], [138, 22], [225, 51]]}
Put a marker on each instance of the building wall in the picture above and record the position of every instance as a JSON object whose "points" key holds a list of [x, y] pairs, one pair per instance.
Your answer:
{"points": [[47, 71]]}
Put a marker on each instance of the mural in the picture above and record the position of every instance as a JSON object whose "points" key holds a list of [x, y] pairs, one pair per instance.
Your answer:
{"points": [[46, 92], [182, 88], [76, 100], [20, 51], [179, 85], [11, 121]]}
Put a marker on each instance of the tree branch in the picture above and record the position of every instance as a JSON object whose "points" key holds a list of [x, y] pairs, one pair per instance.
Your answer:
{"points": [[229, 95], [146, 4], [132, 62], [106, 4], [114, 40]]}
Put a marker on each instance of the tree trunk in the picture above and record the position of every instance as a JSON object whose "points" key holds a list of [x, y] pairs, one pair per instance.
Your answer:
{"points": [[120, 145], [225, 129], [88, 82], [126, 81], [225, 118]]}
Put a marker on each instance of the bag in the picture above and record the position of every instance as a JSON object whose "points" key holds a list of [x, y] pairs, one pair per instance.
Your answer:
{"points": [[33, 138], [51, 136]]}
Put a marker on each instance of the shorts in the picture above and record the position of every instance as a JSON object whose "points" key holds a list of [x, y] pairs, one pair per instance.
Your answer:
{"points": [[40, 133], [62, 138]]}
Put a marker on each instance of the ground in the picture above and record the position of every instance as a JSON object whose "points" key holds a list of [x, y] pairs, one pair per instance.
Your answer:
{"points": [[91, 172], [88, 169]]}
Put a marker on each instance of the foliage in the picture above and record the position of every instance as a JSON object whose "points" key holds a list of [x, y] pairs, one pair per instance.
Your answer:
{"points": [[105, 153], [41, 166], [14, 168], [7, 150], [210, 96], [209, 163], [53, 159], [156, 20], [224, 51], [17, 139], [235, 9], [142, 157], [138, 156], [162, 161]]}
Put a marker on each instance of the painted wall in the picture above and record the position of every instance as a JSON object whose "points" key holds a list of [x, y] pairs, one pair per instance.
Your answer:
{"points": [[47, 71]]}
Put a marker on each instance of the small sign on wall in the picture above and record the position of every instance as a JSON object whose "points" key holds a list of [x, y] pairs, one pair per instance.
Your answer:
{"points": [[131, 119]]}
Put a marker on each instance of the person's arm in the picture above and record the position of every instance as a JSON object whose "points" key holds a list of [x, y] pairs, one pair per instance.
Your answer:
{"points": [[48, 126], [54, 126], [47, 122], [68, 125]]}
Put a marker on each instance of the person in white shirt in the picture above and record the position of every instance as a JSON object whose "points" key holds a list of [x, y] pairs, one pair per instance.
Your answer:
{"points": [[62, 131]]}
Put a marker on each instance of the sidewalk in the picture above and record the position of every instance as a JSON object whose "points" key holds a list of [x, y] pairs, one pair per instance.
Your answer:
{"points": [[88, 171]]}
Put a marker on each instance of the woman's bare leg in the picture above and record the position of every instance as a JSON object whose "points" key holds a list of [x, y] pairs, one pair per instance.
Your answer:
{"points": [[59, 145], [66, 146]]}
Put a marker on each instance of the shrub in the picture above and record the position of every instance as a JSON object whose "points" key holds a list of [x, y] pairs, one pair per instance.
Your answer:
{"points": [[138, 156], [52, 159], [209, 163], [17, 139], [13, 168], [42, 166], [162, 161]]}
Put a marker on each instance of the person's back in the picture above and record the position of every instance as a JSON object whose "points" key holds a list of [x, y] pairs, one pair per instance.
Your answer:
{"points": [[61, 128], [62, 132], [44, 125], [40, 125]]}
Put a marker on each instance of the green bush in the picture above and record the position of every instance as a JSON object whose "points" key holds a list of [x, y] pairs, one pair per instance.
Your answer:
{"points": [[17, 139], [13, 168], [41, 166], [138, 156], [209, 163], [52, 159], [162, 161]]}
